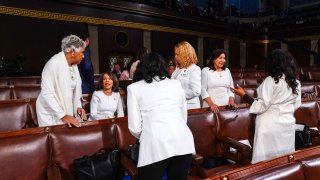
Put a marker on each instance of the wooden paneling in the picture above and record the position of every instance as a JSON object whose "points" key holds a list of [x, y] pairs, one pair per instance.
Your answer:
{"points": [[302, 57], [108, 45], [234, 54], [255, 55], [163, 43], [35, 39], [209, 45]]}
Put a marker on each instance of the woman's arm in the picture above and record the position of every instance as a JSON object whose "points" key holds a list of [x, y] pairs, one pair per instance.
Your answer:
{"points": [[134, 116], [94, 103], [194, 87], [120, 112]]}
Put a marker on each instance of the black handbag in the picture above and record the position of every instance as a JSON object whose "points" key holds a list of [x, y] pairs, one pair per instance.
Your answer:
{"points": [[133, 152], [302, 138], [101, 165]]}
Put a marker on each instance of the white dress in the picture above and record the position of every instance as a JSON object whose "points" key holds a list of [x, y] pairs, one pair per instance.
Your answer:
{"points": [[190, 79], [157, 115], [275, 123], [104, 107], [216, 85]]}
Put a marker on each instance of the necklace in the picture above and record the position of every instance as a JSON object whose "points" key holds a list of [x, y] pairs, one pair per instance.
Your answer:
{"points": [[72, 73]]}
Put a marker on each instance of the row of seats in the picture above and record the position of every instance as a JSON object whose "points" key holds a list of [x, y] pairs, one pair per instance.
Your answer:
{"points": [[218, 134], [22, 112], [53, 149], [300, 165], [20, 80], [8, 92]]}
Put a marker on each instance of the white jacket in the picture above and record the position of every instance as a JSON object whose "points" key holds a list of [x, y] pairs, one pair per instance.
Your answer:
{"points": [[275, 123], [190, 79], [56, 98], [157, 115]]}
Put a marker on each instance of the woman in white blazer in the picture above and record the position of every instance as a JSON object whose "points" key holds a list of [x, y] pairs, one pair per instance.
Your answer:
{"points": [[188, 73], [216, 81], [157, 116], [279, 96], [59, 99]]}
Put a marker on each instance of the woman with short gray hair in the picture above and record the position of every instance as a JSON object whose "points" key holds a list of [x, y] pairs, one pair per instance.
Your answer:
{"points": [[59, 99]]}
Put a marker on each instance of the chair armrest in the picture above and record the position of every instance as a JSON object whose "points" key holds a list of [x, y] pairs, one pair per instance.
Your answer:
{"points": [[243, 153], [53, 173], [315, 137], [128, 165], [197, 160]]}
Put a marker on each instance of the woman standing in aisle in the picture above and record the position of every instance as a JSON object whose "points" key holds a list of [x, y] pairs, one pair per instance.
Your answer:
{"points": [[188, 73], [157, 116], [279, 96]]}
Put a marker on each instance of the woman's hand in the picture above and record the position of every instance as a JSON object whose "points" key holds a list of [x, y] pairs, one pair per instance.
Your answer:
{"points": [[214, 108], [238, 90], [70, 120], [82, 113], [231, 103]]}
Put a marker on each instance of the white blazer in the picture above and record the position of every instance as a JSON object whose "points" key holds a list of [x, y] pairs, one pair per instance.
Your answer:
{"points": [[157, 115], [190, 79]]}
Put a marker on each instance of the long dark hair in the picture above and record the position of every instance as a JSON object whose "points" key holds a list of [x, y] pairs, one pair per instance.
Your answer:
{"points": [[281, 62], [152, 65], [214, 55]]}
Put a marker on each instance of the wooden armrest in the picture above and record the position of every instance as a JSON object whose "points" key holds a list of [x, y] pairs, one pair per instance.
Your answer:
{"points": [[315, 137], [243, 153], [128, 165], [53, 173], [197, 159]]}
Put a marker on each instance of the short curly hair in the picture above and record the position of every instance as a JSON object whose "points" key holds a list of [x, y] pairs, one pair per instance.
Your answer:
{"points": [[187, 53], [72, 42]]}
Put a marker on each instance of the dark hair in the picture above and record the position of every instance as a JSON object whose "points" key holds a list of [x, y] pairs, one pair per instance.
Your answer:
{"points": [[152, 65], [141, 52], [281, 62], [113, 77], [214, 55]]}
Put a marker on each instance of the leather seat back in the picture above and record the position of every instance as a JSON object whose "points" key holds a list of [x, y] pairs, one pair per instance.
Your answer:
{"points": [[26, 91], [203, 127], [15, 115], [25, 157], [69, 144]]}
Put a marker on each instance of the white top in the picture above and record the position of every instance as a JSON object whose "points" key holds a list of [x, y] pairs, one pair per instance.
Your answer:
{"points": [[60, 91], [275, 123], [216, 85], [157, 115], [133, 68], [104, 107], [190, 79]]}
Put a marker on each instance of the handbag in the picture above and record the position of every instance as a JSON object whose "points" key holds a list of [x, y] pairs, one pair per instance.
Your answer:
{"points": [[133, 152], [101, 165], [302, 138]]}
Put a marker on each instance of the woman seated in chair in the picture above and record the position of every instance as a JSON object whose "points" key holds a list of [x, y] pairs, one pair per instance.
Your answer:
{"points": [[106, 102]]}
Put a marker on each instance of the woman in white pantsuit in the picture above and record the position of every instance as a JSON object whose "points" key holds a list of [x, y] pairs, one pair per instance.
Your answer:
{"points": [[188, 73], [279, 96], [157, 116]]}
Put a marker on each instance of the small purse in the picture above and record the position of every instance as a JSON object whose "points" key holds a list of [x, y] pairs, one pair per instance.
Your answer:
{"points": [[133, 152], [302, 138], [101, 165]]}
